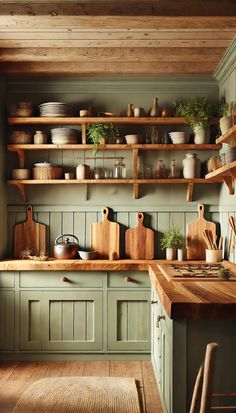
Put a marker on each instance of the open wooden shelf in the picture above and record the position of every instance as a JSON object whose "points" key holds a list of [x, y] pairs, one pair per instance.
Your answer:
{"points": [[135, 182], [227, 173], [84, 121], [228, 137]]}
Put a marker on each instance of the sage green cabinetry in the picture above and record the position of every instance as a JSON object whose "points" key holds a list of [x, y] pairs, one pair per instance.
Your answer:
{"points": [[7, 311], [75, 312], [128, 312]]}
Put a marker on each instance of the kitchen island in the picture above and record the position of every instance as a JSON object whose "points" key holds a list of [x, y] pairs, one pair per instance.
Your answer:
{"points": [[71, 309]]}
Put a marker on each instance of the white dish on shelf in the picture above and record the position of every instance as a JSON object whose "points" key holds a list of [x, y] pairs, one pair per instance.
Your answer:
{"points": [[179, 137], [133, 139], [87, 255]]}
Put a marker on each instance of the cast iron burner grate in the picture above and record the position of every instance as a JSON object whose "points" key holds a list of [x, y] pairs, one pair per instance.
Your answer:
{"points": [[196, 270]]}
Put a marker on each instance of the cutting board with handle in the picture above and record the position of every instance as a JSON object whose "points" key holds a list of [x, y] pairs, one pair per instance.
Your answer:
{"points": [[196, 245], [139, 241], [29, 236], [105, 237]]}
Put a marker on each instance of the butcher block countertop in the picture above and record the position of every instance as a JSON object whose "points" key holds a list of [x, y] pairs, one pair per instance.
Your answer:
{"points": [[186, 299]]}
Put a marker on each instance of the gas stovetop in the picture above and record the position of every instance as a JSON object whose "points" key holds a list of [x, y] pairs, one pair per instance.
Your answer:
{"points": [[192, 271]]}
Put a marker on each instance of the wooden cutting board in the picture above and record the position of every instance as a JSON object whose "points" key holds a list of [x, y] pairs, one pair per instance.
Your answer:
{"points": [[196, 245], [105, 237], [139, 241], [29, 236]]}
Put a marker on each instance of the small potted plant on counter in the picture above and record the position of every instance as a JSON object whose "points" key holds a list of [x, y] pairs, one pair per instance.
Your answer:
{"points": [[197, 112], [224, 112], [173, 242], [102, 133]]}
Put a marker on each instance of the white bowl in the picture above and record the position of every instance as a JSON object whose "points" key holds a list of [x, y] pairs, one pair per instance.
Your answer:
{"points": [[133, 139], [87, 255], [179, 137]]}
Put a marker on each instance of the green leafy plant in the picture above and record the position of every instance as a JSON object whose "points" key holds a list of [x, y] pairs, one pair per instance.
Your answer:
{"points": [[196, 111], [172, 238], [223, 108], [97, 132]]}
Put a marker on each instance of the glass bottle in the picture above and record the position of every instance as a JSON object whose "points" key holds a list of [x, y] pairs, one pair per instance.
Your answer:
{"points": [[119, 169], [174, 171], [160, 171], [155, 138]]}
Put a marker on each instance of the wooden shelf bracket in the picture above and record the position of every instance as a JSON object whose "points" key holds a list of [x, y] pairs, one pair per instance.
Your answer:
{"points": [[229, 181], [189, 193], [21, 188], [21, 156]]}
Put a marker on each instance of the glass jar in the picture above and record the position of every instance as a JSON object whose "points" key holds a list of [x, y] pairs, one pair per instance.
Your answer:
{"points": [[174, 171], [160, 171], [119, 169], [155, 138]]}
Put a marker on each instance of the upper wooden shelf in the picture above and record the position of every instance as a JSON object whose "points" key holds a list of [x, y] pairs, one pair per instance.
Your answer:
{"points": [[84, 121], [157, 147], [228, 137], [225, 170]]}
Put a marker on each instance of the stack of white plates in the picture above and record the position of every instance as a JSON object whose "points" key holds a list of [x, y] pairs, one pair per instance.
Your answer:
{"points": [[56, 109], [64, 136], [179, 137]]}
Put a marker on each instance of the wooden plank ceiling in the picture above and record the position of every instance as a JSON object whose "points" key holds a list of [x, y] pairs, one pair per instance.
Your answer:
{"points": [[109, 38]]}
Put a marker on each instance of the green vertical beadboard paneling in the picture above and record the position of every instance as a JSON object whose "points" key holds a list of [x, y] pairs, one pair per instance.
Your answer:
{"points": [[67, 223], [67, 320], [80, 325], [80, 227], [163, 225], [44, 218], [90, 312], [122, 321], [55, 320], [55, 228], [34, 315], [91, 217]]}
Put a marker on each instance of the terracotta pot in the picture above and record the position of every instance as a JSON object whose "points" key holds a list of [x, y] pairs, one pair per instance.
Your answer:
{"points": [[225, 124]]}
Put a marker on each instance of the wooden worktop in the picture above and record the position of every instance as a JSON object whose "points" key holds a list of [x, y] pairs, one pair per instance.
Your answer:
{"points": [[193, 299]]}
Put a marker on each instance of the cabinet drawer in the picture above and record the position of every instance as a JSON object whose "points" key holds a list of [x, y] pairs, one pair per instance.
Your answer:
{"points": [[7, 279], [60, 279], [128, 279]]}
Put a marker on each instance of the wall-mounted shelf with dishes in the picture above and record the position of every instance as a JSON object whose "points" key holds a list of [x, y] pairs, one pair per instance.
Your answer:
{"points": [[20, 149]]}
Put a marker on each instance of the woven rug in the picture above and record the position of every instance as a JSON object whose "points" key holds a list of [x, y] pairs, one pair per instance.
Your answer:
{"points": [[80, 395]]}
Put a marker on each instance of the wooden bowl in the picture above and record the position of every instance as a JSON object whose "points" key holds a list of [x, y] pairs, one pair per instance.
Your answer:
{"points": [[21, 173]]}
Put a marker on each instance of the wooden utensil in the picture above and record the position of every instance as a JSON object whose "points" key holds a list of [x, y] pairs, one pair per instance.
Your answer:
{"points": [[29, 236], [105, 237], [195, 240], [139, 241]]}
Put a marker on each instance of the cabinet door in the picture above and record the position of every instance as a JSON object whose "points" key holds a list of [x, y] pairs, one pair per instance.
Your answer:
{"points": [[30, 320], [166, 367], [156, 339], [72, 320], [7, 324], [129, 320]]}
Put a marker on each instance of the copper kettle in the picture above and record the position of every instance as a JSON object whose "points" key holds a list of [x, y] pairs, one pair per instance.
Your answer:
{"points": [[65, 249]]}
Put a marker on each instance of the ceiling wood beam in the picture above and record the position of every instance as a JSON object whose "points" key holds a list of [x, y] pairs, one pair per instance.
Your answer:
{"points": [[115, 54], [109, 68], [117, 22], [122, 8]]}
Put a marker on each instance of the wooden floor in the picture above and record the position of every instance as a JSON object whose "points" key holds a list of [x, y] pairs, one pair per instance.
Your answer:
{"points": [[15, 378]]}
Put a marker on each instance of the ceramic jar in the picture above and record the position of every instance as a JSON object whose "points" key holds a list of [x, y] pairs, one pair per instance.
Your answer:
{"points": [[201, 135], [191, 166], [225, 124], [130, 111], [82, 171], [40, 137], [137, 112], [171, 253], [155, 111]]}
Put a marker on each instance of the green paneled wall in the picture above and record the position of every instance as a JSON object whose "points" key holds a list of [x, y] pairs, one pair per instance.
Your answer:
{"points": [[73, 208]]}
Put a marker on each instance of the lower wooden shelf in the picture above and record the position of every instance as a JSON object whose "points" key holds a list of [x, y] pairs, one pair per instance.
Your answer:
{"points": [[21, 184]]}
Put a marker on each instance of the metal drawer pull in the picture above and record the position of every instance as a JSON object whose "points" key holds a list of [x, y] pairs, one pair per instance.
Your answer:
{"points": [[153, 302], [128, 279], [64, 279], [159, 318]]}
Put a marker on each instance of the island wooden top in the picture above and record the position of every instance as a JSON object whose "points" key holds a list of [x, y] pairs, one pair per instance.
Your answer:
{"points": [[193, 299]]}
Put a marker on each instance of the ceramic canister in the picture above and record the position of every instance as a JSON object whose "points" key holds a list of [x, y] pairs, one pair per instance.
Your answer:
{"points": [[82, 171], [191, 166]]}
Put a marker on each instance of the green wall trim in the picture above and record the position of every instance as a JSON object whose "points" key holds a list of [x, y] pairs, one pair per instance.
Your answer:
{"points": [[20, 356], [227, 64], [90, 85]]}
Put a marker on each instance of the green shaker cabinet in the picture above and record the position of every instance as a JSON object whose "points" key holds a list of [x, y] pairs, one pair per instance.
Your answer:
{"points": [[56, 320], [129, 320]]}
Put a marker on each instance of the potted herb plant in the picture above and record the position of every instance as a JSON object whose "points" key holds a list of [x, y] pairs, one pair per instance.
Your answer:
{"points": [[223, 111], [172, 241], [102, 133], [197, 112]]}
